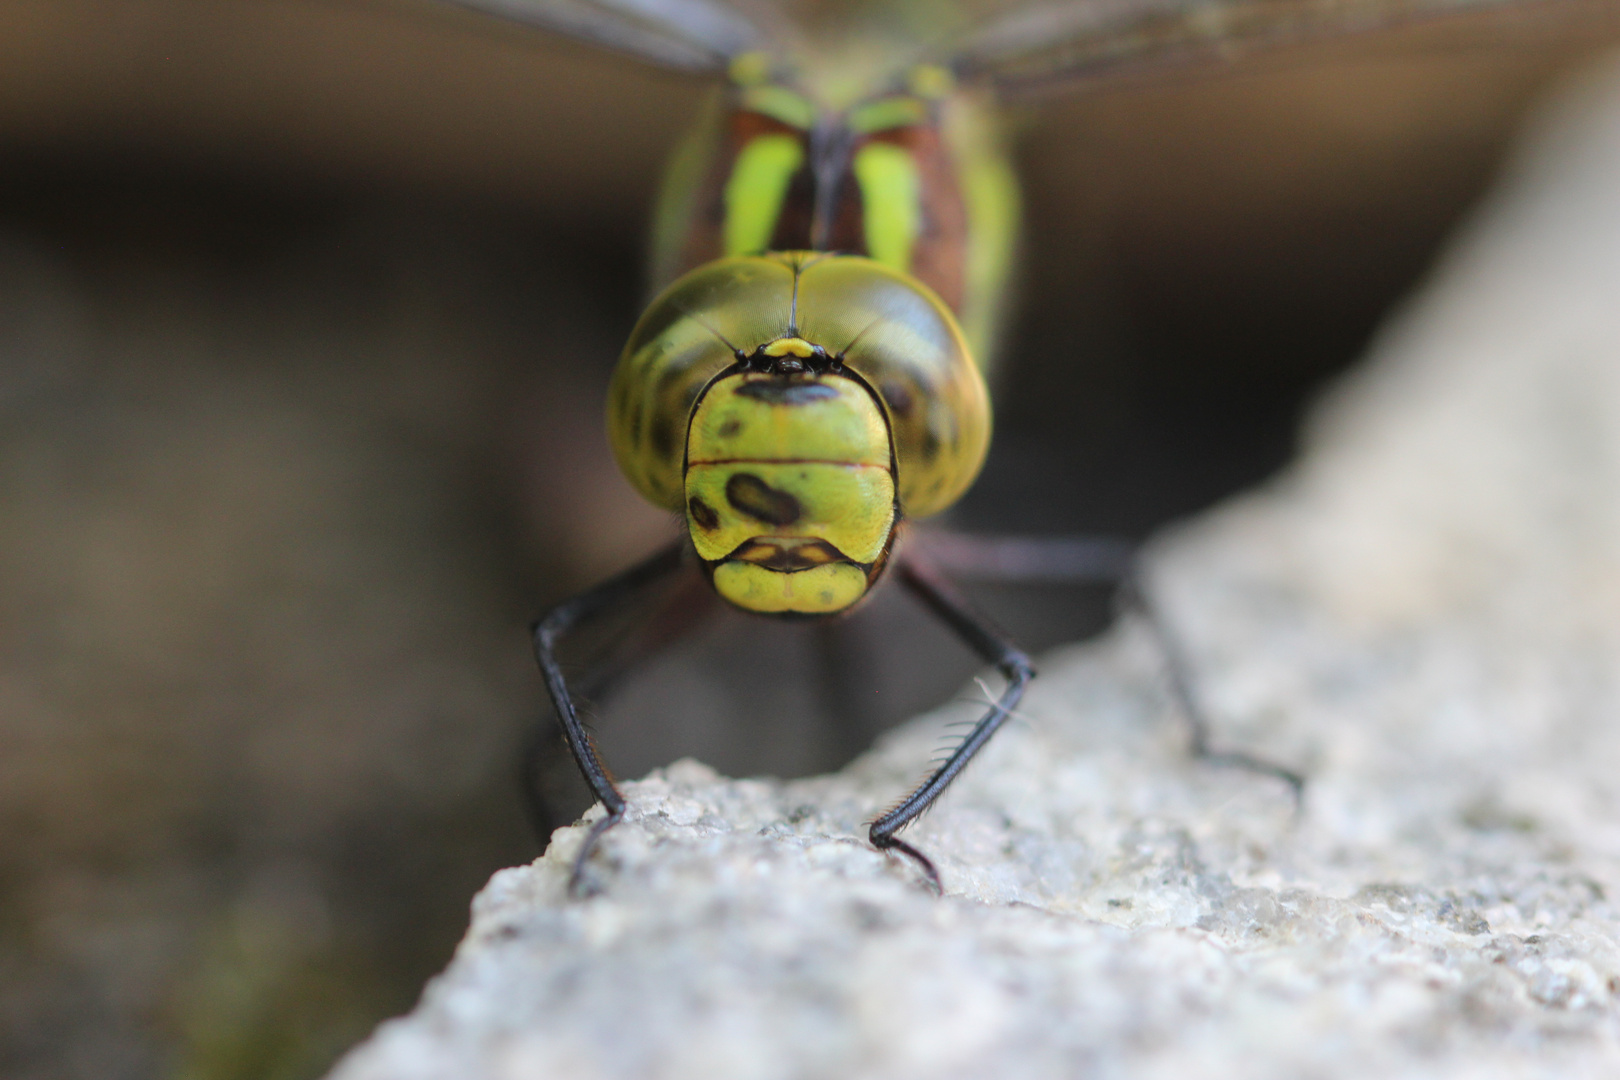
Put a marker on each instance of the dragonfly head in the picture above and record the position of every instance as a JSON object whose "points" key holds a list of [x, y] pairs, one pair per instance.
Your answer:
{"points": [[789, 482], [793, 406]]}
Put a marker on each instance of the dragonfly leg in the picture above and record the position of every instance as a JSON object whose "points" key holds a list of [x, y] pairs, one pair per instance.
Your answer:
{"points": [[683, 608], [1031, 560], [1133, 595], [548, 632], [989, 643]]}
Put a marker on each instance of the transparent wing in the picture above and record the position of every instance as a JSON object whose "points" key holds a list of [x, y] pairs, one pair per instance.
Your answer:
{"points": [[1031, 47], [686, 35]]}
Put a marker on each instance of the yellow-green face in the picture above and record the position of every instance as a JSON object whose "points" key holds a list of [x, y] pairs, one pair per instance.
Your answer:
{"points": [[790, 492]]}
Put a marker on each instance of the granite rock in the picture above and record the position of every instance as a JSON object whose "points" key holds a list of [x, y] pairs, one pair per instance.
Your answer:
{"points": [[1423, 615]]}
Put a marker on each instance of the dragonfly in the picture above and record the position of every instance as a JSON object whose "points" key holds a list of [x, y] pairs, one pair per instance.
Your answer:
{"points": [[830, 259]]}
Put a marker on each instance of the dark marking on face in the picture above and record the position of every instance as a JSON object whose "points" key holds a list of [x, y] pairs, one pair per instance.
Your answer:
{"points": [[786, 391], [703, 514], [899, 398], [785, 559], [729, 429], [750, 495]]}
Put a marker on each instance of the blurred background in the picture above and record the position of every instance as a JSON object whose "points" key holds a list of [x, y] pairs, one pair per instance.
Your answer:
{"points": [[306, 311]]}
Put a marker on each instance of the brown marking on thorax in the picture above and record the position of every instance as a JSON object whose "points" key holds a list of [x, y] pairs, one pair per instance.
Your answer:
{"points": [[938, 257], [705, 232]]}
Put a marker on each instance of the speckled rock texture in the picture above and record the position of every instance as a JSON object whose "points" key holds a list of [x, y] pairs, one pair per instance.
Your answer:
{"points": [[1423, 615]]}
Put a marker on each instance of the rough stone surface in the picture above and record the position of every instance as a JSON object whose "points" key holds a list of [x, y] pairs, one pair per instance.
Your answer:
{"points": [[1424, 615]]}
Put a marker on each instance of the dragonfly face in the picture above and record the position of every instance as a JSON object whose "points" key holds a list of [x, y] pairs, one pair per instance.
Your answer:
{"points": [[790, 495], [793, 407]]}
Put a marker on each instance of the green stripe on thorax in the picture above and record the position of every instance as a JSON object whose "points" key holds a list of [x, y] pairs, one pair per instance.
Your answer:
{"points": [[756, 190], [890, 202]]}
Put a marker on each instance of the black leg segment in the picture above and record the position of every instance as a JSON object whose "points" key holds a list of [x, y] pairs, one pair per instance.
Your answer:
{"points": [[1133, 595], [990, 644], [548, 632], [1080, 560], [1029, 560]]}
